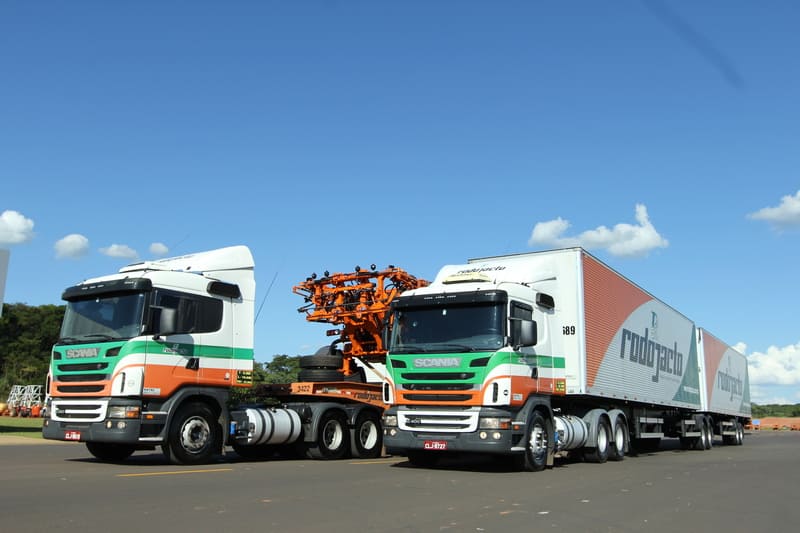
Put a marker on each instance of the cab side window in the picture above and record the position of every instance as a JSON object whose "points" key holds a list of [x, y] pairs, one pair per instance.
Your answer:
{"points": [[195, 314], [519, 311]]}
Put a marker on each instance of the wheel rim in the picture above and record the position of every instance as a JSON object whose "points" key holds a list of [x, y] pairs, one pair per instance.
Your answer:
{"points": [[368, 435], [538, 441], [332, 435], [602, 439], [195, 434], [619, 438]]}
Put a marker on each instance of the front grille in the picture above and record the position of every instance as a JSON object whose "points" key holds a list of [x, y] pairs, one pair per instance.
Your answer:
{"points": [[81, 367], [448, 421], [78, 411], [438, 397], [80, 388], [439, 386], [72, 378], [437, 376]]}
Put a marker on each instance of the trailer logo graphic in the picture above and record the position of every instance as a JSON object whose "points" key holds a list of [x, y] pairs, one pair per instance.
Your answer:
{"points": [[727, 382], [644, 350]]}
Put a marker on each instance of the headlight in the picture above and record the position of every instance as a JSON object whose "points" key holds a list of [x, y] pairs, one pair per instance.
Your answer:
{"points": [[123, 411], [390, 421], [494, 423]]}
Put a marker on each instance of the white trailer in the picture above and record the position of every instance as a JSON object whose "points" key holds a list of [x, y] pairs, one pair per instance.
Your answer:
{"points": [[725, 387], [531, 354]]}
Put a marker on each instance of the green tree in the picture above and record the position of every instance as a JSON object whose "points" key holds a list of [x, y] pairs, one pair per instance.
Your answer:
{"points": [[282, 369], [27, 335]]}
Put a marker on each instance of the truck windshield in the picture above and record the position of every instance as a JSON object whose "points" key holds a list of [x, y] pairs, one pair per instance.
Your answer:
{"points": [[459, 328], [101, 318]]}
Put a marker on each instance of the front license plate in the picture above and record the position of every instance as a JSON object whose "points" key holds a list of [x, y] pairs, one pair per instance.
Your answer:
{"points": [[435, 445], [72, 435]]}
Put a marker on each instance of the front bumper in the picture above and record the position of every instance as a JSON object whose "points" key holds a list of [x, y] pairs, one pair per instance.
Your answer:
{"points": [[87, 420], [399, 441]]}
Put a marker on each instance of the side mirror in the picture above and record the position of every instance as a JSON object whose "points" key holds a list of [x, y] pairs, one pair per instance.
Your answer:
{"points": [[167, 322], [527, 333]]}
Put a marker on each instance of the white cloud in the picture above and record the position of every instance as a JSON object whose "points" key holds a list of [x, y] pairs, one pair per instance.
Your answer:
{"points": [[767, 395], [159, 249], [786, 214], [120, 250], [624, 240], [15, 228], [779, 366], [72, 246]]}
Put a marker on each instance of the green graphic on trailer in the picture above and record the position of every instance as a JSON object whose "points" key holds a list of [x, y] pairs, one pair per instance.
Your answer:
{"points": [[745, 406], [689, 389]]}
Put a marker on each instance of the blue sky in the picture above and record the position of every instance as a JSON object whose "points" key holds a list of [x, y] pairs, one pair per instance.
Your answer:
{"points": [[661, 135]]}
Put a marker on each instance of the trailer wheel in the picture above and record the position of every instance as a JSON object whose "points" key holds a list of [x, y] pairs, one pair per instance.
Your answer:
{"points": [[110, 452], [707, 439], [599, 454], [194, 436], [332, 438], [537, 442], [739, 434], [619, 440], [368, 436]]}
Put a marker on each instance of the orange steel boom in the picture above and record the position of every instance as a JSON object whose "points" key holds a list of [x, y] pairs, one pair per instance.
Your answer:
{"points": [[358, 302]]}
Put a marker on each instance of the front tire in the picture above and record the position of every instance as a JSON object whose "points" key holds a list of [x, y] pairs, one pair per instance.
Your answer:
{"points": [[110, 452], [537, 443], [368, 436], [194, 436]]}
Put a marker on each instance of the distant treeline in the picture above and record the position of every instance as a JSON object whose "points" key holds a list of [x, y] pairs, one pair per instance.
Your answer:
{"points": [[778, 410]]}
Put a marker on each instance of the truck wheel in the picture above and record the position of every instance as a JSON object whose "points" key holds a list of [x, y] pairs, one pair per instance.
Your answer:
{"points": [[194, 436], [537, 441], [332, 438], [739, 434], [599, 454], [110, 452], [368, 436], [619, 441]]}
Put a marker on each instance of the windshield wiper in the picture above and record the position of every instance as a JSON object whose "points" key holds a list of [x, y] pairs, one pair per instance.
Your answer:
{"points": [[410, 348], [447, 347]]}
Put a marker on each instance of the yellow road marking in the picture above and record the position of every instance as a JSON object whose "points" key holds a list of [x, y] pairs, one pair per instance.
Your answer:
{"points": [[176, 472]]}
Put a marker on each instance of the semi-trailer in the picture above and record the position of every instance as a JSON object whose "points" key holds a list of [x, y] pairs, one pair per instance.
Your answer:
{"points": [[526, 356]]}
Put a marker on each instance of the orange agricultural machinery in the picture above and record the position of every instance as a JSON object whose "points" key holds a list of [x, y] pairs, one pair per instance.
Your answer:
{"points": [[358, 303]]}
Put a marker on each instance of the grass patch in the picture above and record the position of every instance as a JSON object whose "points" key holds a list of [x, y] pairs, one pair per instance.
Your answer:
{"points": [[21, 427]]}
